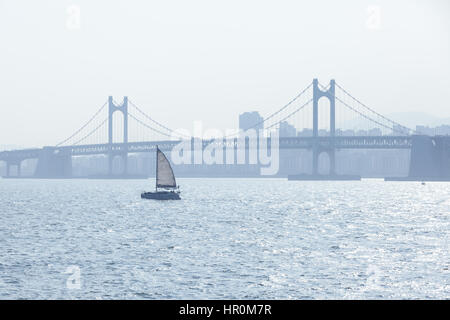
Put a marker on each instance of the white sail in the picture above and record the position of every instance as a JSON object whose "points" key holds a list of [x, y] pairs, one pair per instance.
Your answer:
{"points": [[164, 173]]}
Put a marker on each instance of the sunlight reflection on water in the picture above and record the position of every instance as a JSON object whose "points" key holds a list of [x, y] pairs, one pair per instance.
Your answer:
{"points": [[226, 238]]}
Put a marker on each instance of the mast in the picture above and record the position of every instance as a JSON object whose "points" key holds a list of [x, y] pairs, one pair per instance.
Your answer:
{"points": [[156, 173]]}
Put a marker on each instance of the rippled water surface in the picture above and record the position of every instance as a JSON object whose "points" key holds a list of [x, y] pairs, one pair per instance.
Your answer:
{"points": [[227, 238]]}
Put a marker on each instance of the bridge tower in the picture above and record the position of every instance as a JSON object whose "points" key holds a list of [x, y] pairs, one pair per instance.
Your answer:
{"points": [[330, 150], [121, 151]]}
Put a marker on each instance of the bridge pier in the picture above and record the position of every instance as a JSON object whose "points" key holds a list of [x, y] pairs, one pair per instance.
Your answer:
{"points": [[54, 163], [331, 152], [110, 164], [123, 156], [430, 158], [10, 164], [8, 169], [315, 163], [332, 155]]}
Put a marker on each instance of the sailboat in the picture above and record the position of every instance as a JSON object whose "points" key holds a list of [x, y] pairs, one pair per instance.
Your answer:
{"points": [[166, 186]]}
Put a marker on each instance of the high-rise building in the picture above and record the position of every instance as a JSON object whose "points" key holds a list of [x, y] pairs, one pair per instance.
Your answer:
{"points": [[305, 133], [399, 130], [287, 130], [375, 132], [251, 120], [439, 130]]}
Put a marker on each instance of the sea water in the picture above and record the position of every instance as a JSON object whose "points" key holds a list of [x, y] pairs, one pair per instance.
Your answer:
{"points": [[226, 238]]}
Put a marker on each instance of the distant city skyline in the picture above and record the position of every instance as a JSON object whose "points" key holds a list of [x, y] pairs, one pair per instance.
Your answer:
{"points": [[424, 128], [211, 61]]}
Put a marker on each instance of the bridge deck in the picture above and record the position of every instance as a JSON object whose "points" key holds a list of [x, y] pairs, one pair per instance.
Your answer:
{"points": [[340, 142]]}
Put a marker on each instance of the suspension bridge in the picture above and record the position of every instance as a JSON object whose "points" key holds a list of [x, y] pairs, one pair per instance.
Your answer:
{"points": [[326, 119]]}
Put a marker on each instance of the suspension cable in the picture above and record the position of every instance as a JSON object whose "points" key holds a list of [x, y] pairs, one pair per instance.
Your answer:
{"points": [[156, 122], [286, 105], [84, 126], [91, 133], [149, 127], [367, 117], [278, 111], [370, 109], [173, 132], [291, 114]]}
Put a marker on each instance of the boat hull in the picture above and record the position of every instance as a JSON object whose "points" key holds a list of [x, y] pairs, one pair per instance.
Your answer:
{"points": [[161, 195]]}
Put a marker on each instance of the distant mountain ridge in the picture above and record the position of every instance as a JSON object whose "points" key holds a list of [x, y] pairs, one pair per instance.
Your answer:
{"points": [[412, 119], [6, 147]]}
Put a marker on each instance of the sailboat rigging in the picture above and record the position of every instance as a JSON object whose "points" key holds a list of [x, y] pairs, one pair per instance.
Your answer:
{"points": [[165, 180]]}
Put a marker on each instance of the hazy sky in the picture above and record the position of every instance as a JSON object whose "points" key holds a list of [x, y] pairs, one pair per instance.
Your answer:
{"points": [[211, 60]]}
